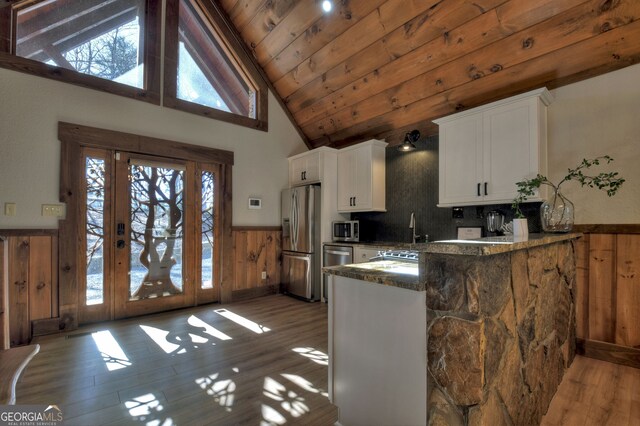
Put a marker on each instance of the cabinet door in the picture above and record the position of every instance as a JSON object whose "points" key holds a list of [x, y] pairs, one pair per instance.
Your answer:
{"points": [[510, 149], [346, 179], [362, 184], [305, 169], [461, 161], [312, 168], [296, 169]]}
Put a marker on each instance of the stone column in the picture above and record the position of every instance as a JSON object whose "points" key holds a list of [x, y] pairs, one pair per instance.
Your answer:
{"points": [[501, 333]]}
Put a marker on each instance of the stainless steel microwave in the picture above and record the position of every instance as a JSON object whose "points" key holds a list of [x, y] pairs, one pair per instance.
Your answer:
{"points": [[346, 230]]}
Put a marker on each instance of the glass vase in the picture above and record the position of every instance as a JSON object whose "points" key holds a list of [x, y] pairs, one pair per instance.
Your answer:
{"points": [[556, 213]]}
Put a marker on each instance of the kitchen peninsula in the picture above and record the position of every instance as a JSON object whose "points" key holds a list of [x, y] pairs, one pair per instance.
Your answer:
{"points": [[478, 332]]}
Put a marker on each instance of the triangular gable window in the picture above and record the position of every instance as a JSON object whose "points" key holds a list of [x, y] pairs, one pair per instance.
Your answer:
{"points": [[98, 38], [210, 74]]}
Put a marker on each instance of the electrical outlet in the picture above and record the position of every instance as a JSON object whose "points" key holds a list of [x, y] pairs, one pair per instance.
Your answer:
{"points": [[264, 275], [10, 209], [52, 210]]}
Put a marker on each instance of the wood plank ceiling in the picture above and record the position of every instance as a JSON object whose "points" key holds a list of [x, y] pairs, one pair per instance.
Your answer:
{"points": [[379, 68]]}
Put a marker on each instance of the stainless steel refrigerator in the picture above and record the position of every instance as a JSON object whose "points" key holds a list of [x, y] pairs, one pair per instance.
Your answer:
{"points": [[301, 243]]}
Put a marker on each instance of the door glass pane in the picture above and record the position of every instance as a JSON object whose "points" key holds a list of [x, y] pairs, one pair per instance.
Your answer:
{"points": [[157, 231], [96, 37], [94, 180], [208, 226]]}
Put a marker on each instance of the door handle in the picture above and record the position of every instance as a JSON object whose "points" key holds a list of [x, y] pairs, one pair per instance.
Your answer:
{"points": [[478, 189], [485, 189], [120, 244], [338, 253]]}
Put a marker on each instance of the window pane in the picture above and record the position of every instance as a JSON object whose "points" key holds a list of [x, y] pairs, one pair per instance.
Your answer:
{"points": [[206, 74], [96, 37], [208, 227], [95, 175], [157, 210]]}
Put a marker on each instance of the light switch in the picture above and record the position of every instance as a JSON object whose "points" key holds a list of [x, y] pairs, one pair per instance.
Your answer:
{"points": [[264, 275], [10, 209], [52, 210]]}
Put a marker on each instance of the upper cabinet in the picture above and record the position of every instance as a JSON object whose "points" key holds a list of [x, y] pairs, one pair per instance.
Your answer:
{"points": [[484, 151], [361, 177], [310, 167]]}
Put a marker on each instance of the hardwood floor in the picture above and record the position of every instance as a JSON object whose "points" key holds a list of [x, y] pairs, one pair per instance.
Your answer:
{"points": [[261, 361], [258, 362], [596, 393]]}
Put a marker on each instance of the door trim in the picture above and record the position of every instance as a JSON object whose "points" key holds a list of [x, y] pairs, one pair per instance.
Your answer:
{"points": [[72, 138]]}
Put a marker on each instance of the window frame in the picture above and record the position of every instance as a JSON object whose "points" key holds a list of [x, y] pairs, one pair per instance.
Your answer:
{"points": [[213, 14], [152, 39]]}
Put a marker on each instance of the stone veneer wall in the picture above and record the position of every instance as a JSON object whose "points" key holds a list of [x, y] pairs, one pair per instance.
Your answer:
{"points": [[501, 333]]}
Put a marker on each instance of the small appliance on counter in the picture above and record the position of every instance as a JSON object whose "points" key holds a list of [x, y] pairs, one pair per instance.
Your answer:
{"points": [[346, 231]]}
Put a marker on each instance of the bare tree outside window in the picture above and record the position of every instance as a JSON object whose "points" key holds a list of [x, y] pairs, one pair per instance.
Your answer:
{"points": [[157, 197], [208, 221], [108, 56]]}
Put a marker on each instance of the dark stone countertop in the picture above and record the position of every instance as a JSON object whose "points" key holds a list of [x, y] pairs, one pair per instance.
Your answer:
{"points": [[495, 245], [381, 272]]}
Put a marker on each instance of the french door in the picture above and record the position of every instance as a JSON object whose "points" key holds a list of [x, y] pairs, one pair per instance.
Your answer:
{"points": [[148, 233]]}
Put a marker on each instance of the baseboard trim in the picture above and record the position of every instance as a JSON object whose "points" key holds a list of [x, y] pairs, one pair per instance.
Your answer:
{"points": [[604, 351], [46, 326], [251, 293]]}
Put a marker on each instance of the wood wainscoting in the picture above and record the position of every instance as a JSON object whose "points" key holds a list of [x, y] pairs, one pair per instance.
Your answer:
{"points": [[257, 250], [608, 293], [30, 273], [29, 304]]}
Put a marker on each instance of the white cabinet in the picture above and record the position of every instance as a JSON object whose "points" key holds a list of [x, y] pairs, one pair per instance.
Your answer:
{"points": [[306, 168], [484, 151], [364, 254], [361, 177]]}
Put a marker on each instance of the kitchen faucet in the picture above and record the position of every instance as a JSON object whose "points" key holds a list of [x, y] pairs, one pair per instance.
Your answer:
{"points": [[412, 226]]}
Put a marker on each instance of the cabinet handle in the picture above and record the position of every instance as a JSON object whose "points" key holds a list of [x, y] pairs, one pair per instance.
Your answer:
{"points": [[350, 201], [478, 189], [305, 175], [354, 201], [485, 189]]}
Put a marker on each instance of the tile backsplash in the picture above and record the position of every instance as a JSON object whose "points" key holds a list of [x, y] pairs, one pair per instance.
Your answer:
{"points": [[412, 186]]}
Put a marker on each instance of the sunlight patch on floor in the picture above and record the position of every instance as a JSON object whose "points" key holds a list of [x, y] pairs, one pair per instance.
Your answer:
{"points": [[208, 329], [143, 406], [304, 384], [240, 320], [314, 355], [112, 354], [164, 422], [221, 389], [160, 337], [288, 400]]}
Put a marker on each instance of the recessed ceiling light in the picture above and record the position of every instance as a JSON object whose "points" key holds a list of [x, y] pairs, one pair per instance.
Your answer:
{"points": [[327, 6]]}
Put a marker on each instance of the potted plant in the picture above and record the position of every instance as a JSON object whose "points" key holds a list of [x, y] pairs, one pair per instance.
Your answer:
{"points": [[556, 213]]}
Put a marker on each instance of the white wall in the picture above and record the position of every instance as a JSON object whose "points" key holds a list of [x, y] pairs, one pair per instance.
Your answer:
{"points": [[30, 151], [594, 117]]}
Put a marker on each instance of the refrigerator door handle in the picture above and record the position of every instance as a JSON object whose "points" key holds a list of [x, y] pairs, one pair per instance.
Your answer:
{"points": [[294, 221]]}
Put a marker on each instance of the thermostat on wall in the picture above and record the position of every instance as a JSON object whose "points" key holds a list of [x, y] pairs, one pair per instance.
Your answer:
{"points": [[255, 203]]}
